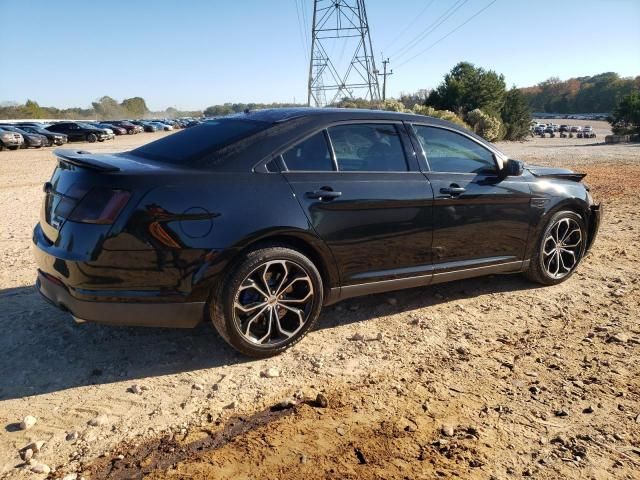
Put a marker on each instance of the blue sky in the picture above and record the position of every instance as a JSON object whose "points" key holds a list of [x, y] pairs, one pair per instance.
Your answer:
{"points": [[193, 53]]}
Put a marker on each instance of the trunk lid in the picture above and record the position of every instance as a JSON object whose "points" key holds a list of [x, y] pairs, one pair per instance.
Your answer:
{"points": [[77, 173]]}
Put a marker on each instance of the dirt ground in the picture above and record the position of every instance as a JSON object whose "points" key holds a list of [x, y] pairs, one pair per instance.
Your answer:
{"points": [[485, 378]]}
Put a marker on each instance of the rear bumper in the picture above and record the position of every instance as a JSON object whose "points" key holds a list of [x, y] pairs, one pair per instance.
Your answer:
{"points": [[175, 315]]}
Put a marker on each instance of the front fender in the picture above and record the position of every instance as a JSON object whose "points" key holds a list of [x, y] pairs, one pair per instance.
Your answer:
{"points": [[551, 196]]}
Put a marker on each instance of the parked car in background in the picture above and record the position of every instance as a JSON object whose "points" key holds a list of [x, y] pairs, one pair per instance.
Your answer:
{"points": [[549, 129], [9, 139], [588, 132], [54, 138], [117, 130], [564, 128], [31, 140], [130, 127], [159, 236], [161, 126], [146, 126], [78, 131], [108, 131], [539, 130], [575, 128]]}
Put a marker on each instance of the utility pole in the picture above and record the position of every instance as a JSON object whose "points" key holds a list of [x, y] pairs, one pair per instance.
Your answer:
{"points": [[341, 26], [384, 76]]}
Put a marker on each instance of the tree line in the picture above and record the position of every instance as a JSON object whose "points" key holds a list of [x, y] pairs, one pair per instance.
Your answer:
{"points": [[470, 96], [105, 108], [593, 94]]}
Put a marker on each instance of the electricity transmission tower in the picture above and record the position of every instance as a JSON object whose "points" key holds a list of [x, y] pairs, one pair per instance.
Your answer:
{"points": [[341, 25]]}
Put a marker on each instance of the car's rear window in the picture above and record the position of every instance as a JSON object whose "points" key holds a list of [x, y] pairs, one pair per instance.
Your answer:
{"points": [[189, 146]]}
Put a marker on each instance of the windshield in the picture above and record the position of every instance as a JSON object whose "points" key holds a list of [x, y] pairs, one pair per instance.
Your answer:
{"points": [[189, 146]]}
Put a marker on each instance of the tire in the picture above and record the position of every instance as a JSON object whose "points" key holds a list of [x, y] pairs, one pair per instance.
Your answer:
{"points": [[550, 265], [91, 138], [2, 147], [261, 334]]}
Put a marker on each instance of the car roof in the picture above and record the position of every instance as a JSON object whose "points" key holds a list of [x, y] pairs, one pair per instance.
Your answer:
{"points": [[277, 115]]}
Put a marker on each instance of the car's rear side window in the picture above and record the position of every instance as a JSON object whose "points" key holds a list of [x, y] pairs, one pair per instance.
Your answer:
{"points": [[368, 147], [192, 144], [310, 155]]}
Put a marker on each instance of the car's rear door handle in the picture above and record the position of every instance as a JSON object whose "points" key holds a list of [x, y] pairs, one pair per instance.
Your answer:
{"points": [[453, 190], [325, 193]]}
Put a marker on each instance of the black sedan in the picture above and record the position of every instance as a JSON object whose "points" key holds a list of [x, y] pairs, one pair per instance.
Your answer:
{"points": [[78, 131], [53, 138], [257, 220]]}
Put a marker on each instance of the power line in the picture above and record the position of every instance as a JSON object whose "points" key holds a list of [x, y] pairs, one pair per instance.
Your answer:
{"points": [[301, 31], [430, 29], [406, 29], [448, 34]]}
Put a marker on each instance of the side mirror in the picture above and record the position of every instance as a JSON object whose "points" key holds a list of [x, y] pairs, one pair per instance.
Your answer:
{"points": [[513, 168]]}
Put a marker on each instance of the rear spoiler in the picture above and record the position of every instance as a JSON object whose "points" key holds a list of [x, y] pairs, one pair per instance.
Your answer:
{"points": [[80, 159]]}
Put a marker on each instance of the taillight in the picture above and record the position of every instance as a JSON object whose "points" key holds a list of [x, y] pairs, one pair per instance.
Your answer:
{"points": [[101, 206]]}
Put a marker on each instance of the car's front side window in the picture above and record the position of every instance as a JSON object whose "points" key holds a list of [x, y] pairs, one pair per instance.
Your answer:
{"points": [[368, 147], [310, 155], [451, 152]]}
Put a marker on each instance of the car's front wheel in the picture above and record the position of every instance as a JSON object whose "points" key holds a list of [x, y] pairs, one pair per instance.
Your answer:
{"points": [[559, 249], [268, 301], [91, 138]]}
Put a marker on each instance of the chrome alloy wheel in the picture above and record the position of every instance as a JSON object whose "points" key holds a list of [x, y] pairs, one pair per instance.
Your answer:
{"points": [[562, 248], [273, 302]]}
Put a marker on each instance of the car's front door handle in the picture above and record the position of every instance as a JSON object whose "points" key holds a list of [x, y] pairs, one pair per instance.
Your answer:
{"points": [[324, 194], [453, 190]]}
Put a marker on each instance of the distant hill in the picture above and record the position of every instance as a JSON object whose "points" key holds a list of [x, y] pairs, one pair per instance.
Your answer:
{"points": [[598, 93]]}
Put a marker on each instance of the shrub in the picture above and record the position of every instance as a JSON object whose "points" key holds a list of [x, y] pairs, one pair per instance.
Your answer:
{"points": [[441, 114], [486, 126], [393, 105]]}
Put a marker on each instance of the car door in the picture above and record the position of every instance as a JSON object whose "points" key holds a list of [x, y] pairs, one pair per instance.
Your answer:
{"points": [[481, 217], [69, 129], [364, 195]]}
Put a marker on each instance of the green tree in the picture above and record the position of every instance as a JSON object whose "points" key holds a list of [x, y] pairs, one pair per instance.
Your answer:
{"points": [[467, 87], [516, 116], [625, 118], [108, 108], [135, 107], [32, 109]]}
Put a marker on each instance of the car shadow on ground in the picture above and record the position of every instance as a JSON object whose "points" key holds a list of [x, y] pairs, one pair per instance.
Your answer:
{"points": [[42, 350]]}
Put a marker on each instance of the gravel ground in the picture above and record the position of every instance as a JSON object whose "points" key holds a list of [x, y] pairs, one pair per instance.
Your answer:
{"points": [[483, 378]]}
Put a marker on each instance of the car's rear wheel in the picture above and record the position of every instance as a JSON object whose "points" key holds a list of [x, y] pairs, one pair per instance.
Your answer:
{"points": [[91, 138], [559, 249], [268, 301]]}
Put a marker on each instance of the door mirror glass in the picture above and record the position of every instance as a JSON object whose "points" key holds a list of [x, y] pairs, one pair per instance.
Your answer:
{"points": [[513, 168]]}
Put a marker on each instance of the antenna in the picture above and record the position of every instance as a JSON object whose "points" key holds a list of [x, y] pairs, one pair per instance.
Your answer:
{"points": [[341, 25]]}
